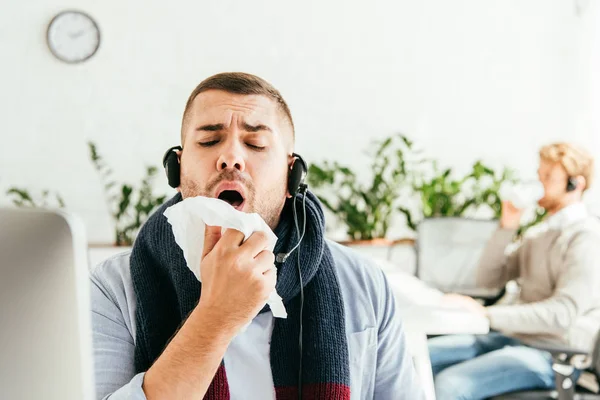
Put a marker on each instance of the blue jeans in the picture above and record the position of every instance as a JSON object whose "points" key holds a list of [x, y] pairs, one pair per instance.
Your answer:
{"points": [[470, 367]]}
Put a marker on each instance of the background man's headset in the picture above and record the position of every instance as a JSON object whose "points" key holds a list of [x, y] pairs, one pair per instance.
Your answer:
{"points": [[571, 184], [296, 186]]}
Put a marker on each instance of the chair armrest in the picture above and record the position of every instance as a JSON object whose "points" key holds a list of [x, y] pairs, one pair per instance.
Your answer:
{"points": [[566, 360]]}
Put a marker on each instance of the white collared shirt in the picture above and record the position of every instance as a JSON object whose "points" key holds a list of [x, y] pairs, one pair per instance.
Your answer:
{"points": [[567, 215]]}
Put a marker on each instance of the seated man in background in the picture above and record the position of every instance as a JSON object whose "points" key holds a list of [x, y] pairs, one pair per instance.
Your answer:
{"points": [[558, 271]]}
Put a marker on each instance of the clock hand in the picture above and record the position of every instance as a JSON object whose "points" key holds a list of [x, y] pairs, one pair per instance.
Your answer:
{"points": [[77, 34]]}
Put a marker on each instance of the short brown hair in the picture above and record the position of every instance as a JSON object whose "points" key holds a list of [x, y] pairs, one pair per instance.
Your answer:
{"points": [[575, 160], [239, 83]]}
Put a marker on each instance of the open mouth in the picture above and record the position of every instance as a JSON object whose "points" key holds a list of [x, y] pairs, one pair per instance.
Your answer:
{"points": [[233, 197]]}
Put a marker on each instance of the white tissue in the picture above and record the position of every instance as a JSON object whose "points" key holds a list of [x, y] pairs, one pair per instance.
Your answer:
{"points": [[189, 218]]}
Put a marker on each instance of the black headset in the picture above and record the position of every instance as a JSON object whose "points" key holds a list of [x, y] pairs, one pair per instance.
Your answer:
{"points": [[171, 164], [296, 176], [571, 184], [296, 186]]}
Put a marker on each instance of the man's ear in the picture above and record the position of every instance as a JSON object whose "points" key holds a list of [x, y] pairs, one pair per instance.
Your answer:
{"points": [[581, 183]]}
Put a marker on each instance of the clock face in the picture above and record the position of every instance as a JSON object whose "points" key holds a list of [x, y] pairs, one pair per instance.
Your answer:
{"points": [[73, 36]]}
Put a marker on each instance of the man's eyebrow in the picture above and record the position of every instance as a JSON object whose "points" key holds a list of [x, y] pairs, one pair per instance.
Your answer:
{"points": [[211, 127], [256, 128]]}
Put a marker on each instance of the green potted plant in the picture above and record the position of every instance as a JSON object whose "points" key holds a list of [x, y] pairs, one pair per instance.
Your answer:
{"points": [[366, 209], [130, 206], [444, 195], [22, 197]]}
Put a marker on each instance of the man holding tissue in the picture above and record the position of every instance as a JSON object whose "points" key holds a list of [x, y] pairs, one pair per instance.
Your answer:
{"points": [[161, 334], [557, 269]]}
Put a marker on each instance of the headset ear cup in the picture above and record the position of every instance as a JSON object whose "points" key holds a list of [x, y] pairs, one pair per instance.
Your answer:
{"points": [[571, 184], [173, 171], [297, 175], [295, 178], [172, 166]]}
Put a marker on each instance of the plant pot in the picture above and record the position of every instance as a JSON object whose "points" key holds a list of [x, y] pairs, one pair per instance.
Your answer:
{"points": [[390, 255], [379, 242], [375, 248]]}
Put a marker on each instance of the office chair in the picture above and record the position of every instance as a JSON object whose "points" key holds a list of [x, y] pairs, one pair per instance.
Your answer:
{"points": [[448, 251], [565, 361]]}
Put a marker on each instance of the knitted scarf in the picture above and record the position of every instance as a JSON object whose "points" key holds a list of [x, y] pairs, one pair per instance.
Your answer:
{"points": [[167, 291]]}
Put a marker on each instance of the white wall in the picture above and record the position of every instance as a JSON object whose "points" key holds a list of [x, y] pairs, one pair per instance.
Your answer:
{"points": [[468, 79], [592, 94]]}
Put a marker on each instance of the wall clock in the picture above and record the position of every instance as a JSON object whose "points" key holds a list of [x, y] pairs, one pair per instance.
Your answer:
{"points": [[73, 36]]}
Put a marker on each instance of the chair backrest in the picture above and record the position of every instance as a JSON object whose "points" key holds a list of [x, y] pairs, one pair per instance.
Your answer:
{"points": [[448, 250], [595, 367]]}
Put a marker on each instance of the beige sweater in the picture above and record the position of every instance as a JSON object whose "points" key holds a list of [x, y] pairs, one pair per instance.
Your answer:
{"points": [[558, 270]]}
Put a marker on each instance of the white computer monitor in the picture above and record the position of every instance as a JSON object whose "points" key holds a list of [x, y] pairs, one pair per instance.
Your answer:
{"points": [[45, 327]]}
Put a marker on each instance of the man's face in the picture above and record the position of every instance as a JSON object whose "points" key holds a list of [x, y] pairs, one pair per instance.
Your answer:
{"points": [[554, 179], [236, 148]]}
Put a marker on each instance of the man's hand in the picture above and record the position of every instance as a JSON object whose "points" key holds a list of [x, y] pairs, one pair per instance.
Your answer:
{"points": [[236, 278], [236, 281], [464, 302], [511, 216]]}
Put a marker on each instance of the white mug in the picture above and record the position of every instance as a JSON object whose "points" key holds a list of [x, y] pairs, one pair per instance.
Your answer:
{"points": [[522, 195]]}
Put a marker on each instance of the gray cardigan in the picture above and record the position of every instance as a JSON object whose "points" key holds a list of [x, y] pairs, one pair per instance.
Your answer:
{"points": [[558, 271]]}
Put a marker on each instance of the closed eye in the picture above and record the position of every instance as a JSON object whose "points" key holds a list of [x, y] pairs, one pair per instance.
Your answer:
{"points": [[214, 142], [254, 147], [208, 144]]}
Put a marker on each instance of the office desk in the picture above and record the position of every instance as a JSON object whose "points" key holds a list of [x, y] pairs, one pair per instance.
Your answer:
{"points": [[416, 343], [420, 310], [444, 321], [420, 305], [420, 321]]}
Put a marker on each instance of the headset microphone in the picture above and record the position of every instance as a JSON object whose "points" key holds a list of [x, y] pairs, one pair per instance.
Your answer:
{"points": [[282, 257]]}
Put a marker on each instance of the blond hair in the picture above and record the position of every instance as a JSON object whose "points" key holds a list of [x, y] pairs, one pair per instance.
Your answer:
{"points": [[575, 160]]}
